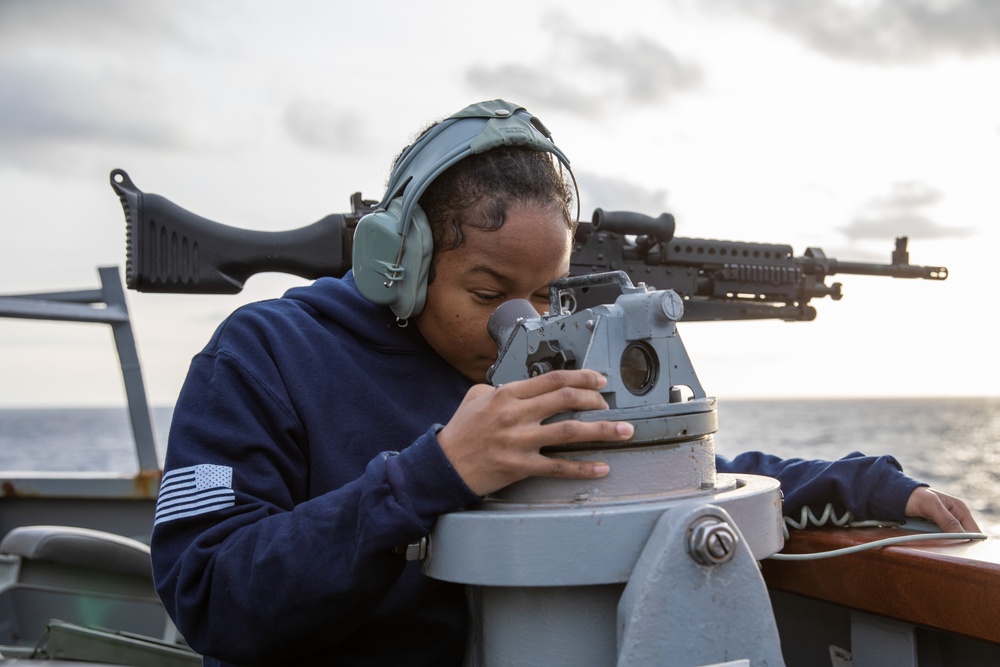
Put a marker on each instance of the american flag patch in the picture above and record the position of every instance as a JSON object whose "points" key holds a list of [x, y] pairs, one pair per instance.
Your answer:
{"points": [[194, 490]]}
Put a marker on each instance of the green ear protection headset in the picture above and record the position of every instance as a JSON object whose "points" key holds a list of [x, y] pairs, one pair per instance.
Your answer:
{"points": [[393, 245]]}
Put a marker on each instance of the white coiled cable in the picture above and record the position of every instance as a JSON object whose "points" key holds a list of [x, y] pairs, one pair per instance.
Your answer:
{"points": [[808, 518]]}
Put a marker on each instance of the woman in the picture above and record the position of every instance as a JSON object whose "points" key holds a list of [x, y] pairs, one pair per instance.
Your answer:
{"points": [[319, 431]]}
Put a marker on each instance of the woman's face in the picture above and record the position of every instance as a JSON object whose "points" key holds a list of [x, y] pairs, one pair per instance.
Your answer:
{"points": [[517, 261]]}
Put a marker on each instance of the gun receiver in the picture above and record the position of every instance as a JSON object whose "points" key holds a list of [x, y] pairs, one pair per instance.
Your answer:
{"points": [[172, 250], [720, 280]]}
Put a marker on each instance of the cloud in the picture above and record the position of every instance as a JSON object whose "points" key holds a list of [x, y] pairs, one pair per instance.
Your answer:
{"points": [[614, 194], [645, 71], [902, 213], [42, 104], [590, 74], [881, 31], [103, 24], [536, 87], [320, 126], [67, 76]]}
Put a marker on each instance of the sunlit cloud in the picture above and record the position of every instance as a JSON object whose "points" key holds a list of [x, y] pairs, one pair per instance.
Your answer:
{"points": [[903, 212], [881, 31], [590, 73]]}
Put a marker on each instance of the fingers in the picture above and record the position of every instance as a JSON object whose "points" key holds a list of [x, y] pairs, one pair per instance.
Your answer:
{"points": [[543, 466], [571, 431], [525, 405], [559, 391], [548, 394], [960, 511], [548, 382], [949, 513], [495, 437]]}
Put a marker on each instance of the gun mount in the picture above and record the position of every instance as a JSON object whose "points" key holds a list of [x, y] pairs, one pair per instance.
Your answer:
{"points": [[625, 569], [652, 384], [172, 250]]}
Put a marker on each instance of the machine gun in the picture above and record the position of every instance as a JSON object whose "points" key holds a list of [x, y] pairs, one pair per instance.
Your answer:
{"points": [[172, 250]]}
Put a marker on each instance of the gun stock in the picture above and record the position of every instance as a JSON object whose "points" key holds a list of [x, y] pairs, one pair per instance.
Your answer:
{"points": [[169, 249]]}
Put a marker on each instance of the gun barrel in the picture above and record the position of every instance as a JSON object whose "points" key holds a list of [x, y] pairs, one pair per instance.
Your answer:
{"points": [[889, 270], [815, 262], [628, 222], [170, 249]]}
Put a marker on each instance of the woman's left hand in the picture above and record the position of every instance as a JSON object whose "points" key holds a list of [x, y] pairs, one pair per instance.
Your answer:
{"points": [[949, 513]]}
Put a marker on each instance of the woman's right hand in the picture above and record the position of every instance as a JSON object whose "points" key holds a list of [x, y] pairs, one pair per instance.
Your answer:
{"points": [[494, 437]]}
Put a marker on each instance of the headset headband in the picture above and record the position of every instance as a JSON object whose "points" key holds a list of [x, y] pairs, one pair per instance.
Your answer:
{"points": [[475, 129], [394, 245]]}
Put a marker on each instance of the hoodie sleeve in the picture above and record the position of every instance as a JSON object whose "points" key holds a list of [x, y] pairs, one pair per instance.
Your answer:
{"points": [[247, 562], [869, 487]]}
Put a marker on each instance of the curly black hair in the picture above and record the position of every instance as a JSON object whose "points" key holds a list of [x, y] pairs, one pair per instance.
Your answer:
{"points": [[479, 190]]}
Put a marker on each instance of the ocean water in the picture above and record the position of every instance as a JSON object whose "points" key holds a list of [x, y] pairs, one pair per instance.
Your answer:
{"points": [[951, 443], [74, 439]]}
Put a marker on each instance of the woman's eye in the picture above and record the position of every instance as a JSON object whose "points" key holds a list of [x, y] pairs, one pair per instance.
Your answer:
{"points": [[488, 296]]}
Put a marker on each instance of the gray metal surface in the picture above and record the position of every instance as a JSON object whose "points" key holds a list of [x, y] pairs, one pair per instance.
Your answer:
{"points": [[676, 610], [637, 473], [558, 589], [586, 543]]}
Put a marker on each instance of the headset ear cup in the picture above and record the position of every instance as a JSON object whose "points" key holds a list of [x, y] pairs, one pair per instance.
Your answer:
{"points": [[379, 278], [416, 266], [376, 245]]}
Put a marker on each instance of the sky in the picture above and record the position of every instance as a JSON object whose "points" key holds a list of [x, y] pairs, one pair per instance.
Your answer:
{"points": [[838, 124]]}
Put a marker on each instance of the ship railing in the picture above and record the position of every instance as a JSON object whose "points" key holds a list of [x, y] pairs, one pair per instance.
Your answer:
{"points": [[104, 305]]}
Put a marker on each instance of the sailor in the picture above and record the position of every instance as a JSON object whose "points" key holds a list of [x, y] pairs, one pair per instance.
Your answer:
{"points": [[317, 432]]}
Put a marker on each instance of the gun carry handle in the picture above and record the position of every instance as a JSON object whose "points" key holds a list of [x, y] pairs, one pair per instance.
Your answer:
{"points": [[660, 228]]}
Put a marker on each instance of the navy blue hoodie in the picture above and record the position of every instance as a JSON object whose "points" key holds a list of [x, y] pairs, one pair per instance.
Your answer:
{"points": [[303, 450]]}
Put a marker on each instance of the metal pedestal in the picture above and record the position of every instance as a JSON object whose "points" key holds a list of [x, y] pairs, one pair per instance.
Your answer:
{"points": [[670, 580]]}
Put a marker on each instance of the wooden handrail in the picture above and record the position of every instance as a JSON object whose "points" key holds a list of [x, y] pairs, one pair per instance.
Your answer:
{"points": [[951, 585]]}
